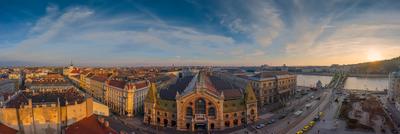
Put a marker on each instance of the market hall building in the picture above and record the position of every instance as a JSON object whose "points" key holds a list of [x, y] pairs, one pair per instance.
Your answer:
{"points": [[199, 101]]}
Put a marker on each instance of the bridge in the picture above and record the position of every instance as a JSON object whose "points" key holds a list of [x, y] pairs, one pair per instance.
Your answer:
{"points": [[338, 80]]}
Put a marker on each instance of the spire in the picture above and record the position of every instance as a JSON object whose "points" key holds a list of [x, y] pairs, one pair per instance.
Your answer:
{"points": [[71, 64], [250, 97], [152, 93]]}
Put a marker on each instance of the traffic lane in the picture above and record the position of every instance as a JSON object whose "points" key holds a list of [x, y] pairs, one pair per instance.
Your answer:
{"points": [[283, 124], [309, 117]]}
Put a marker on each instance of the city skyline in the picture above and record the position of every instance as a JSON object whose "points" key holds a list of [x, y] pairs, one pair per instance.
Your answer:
{"points": [[188, 32]]}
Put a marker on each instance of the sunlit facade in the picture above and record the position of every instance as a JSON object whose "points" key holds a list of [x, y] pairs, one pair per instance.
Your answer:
{"points": [[200, 101]]}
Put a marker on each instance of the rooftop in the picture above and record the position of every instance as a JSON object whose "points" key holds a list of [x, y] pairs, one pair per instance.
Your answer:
{"points": [[169, 92], [99, 78], [117, 83], [39, 97], [6, 130], [89, 125], [230, 91], [212, 83]]}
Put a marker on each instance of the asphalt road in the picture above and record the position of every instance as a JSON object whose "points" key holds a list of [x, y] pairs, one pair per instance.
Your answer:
{"points": [[290, 120], [325, 99]]}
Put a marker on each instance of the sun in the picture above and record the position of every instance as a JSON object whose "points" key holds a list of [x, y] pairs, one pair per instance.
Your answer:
{"points": [[374, 56]]}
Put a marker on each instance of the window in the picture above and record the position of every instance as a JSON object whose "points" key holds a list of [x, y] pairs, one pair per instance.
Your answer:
{"points": [[189, 111], [200, 106], [227, 123], [211, 111]]}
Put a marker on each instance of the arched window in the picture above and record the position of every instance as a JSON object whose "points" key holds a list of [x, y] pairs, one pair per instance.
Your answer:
{"points": [[211, 111], [200, 106], [189, 111]]}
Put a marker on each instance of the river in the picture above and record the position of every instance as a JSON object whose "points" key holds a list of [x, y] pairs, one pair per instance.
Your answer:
{"points": [[351, 82]]}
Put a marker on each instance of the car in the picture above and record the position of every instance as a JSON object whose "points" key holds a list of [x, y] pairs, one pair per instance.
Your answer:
{"points": [[260, 126], [312, 123], [271, 121], [321, 113], [282, 116], [300, 132], [316, 118], [306, 128]]}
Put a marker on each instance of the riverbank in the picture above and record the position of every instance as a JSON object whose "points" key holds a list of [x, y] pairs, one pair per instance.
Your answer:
{"points": [[350, 75]]}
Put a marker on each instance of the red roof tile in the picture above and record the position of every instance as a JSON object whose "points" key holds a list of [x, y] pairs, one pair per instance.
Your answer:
{"points": [[75, 71], [140, 85], [89, 125], [117, 83], [99, 78], [6, 130]]}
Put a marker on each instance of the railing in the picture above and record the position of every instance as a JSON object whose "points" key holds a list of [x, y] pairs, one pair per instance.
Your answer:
{"points": [[200, 117]]}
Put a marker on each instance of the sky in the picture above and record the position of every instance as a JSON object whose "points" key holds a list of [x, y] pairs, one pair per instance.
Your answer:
{"points": [[198, 32]]}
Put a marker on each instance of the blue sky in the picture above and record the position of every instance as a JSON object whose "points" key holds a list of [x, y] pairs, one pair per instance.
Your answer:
{"points": [[198, 32]]}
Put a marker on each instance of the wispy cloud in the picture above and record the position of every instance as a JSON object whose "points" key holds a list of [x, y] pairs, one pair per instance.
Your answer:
{"points": [[295, 32], [81, 33]]}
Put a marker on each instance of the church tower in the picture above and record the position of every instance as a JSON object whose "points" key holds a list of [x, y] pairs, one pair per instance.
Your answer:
{"points": [[150, 105], [251, 104]]}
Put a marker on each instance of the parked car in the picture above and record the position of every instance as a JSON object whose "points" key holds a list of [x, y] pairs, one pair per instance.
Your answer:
{"points": [[260, 126], [271, 121], [316, 118], [306, 128], [312, 123]]}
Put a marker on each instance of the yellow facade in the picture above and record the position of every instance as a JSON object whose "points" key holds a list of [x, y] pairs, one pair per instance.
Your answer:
{"points": [[48, 117]]}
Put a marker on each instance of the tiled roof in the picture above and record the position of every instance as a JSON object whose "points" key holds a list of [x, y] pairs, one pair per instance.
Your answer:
{"points": [[89, 125], [232, 94], [170, 92], [75, 71], [230, 91], [117, 83], [141, 84], [6, 130], [99, 78], [69, 95]]}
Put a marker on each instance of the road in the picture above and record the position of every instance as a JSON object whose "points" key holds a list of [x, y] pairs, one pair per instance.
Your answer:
{"points": [[307, 117], [290, 120]]}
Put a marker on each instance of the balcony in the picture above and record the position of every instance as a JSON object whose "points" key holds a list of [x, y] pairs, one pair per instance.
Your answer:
{"points": [[200, 117]]}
